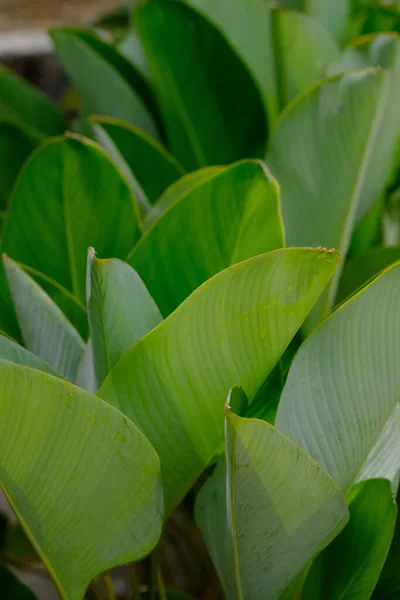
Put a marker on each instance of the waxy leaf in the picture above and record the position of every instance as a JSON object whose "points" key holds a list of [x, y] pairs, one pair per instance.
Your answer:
{"points": [[350, 567], [174, 382], [91, 498], [45, 329], [211, 106], [267, 511], [121, 311], [340, 402], [108, 83], [148, 167], [220, 221], [70, 196], [332, 152], [13, 352]]}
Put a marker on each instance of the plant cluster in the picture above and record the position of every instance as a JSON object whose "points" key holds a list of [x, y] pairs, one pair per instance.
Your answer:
{"points": [[200, 306]]}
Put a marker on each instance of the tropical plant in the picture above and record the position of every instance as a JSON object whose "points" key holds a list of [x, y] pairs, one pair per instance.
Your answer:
{"points": [[199, 293]]}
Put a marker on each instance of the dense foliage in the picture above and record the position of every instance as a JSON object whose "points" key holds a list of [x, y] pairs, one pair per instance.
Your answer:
{"points": [[200, 306]]}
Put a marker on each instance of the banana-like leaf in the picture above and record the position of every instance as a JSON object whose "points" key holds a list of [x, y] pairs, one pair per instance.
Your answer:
{"points": [[91, 498], [381, 50], [13, 352], [340, 402], [121, 311], [304, 49], [324, 195], [242, 22], [94, 65], [16, 144], [349, 568], [222, 220], [203, 87], [70, 196], [12, 588], [86, 376], [21, 103], [174, 382], [334, 16], [389, 582], [178, 189], [360, 269], [267, 511], [45, 329], [140, 157]]}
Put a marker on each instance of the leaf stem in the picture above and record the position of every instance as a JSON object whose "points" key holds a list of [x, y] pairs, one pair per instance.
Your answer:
{"points": [[108, 584], [162, 594]]}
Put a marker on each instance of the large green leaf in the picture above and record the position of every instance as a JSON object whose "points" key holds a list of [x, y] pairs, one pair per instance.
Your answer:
{"points": [[382, 50], [242, 22], [340, 402], [303, 51], [222, 220], [91, 498], [264, 518], [121, 311], [140, 157], [45, 329], [16, 144], [21, 103], [354, 116], [174, 381], [108, 83], [212, 108], [334, 16], [69, 197], [350, 567], [12, 587], [389, 583], [10, 350]]}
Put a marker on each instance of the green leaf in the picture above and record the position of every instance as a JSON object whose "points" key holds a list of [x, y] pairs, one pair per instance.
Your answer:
{"points": [[334, 16], [391, 220], [354, 116], [108, 83], [132, 49], [368, 232], [86, 376], [225, 219], [357, 556], [173, 383], [22, 104], [360, 269], [242, 22], [15, 146], [10, 350], [45, 329], [121, 311], [91, 499], [382, 50], [389, 583], [140, 157], [69, 197], [329, 404], [303, 51], [12, 587], [264, 519], [212, 109]]}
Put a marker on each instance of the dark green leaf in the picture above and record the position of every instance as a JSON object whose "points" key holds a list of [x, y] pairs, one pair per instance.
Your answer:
{"points": [[12, 588]]}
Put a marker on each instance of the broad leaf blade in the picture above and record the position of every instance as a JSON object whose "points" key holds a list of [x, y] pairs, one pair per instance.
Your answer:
{"points": [[16, 144], [382, 50], [13, 352], [334, 16], [91, 464], [350, 567], [173, 383], [354, 115], [389, 583], [202, 90], [94, 65], [223, 219], [329, 404], [276, 513], [121, 311], [45, 329]]}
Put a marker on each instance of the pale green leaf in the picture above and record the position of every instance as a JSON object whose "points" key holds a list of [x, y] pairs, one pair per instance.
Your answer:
{"points": [[173, 383], [224, 219], [332, 153], [121, 311], [340, 402], [45, 329], [86, 376], [211, 106], [381, 50], [91, 498], [334, 16], [268, 511], [10, 350]]}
